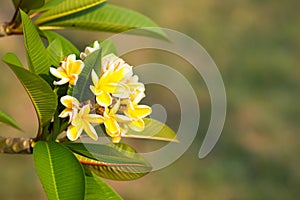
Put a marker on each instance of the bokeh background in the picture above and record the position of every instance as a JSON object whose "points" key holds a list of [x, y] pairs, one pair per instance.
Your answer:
{"points": [[256, 46]]}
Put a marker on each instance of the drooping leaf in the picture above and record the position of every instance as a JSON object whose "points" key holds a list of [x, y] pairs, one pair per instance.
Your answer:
{"points": [[154, 130], [61, 174], [107, 47], [28, 4], [6, 119], [37, 56], [115, 161], [97, 189], [66, 8], [40, 93], [81, 90], [108, 18]]}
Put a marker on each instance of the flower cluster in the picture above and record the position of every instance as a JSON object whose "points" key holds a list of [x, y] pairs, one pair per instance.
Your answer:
{"points": [[117, 92]]}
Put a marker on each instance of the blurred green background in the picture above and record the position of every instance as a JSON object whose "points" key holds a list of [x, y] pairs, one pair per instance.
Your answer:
{"points": [[256, 46]]}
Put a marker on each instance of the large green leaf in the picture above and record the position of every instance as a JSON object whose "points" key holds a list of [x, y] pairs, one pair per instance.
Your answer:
{"points": [[66, 8], [40, 93], [36, 52], [97, 189], [114, 161], [107, 18], [154, 130], [61, 174], [82, 89], [28, 4], [6, 119]]}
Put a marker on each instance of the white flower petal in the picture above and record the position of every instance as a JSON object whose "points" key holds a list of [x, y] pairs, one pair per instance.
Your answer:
{"points": [[61, 82]]}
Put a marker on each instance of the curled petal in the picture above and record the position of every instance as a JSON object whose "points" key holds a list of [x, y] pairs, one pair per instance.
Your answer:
{"points": [[112, 127], [61, 82], [104, 99], [65, 113], [69, 101], [137, 111], [77, 67], [58, 73], [116, 139], [142, 111], [137, 125], [73, 132]]}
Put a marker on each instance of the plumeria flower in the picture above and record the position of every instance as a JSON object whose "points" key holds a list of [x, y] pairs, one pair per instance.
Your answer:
{"points": [[137, 112], [89, 50], [82, 122], [68, 71], [72, 106], [110, 83], [134, 84], [115, 123]]}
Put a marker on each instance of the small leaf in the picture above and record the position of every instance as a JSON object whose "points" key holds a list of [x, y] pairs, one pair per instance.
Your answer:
{"points": [[97, 189], [5, 119], [11, 58], [28, 4], [115, 161], [61, 174], [154, 130], [81, 90], [55, 52], [37, 56], [66, 47], [67, 7], [108, 18], [40, 93]]}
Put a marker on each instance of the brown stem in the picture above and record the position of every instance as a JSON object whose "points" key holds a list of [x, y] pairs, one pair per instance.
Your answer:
{"points": [[16, 13], [16, 145]]}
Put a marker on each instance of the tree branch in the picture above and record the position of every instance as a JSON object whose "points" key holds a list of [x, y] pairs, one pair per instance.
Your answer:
{"points": [[16, 145]]}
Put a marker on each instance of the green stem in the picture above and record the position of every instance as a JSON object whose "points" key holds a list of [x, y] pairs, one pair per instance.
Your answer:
{"points": [[16, 145]]}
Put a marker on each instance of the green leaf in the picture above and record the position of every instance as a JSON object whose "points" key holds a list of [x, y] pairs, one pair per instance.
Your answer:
{"points": [[59, 47], [11, 58], [36, 52], [66, 8], [5, 119], [67, 46], [114, 161], [97, 189], [49, 4], [108, 18], [28, 4], [154, 130], [107, 47], [82, 91], [61, 174], [40, 93]]}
